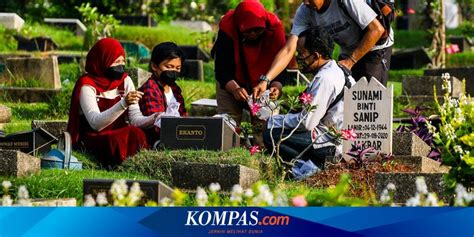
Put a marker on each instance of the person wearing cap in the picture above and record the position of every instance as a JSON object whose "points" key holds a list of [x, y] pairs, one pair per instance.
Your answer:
{"points": [[249, 38]]}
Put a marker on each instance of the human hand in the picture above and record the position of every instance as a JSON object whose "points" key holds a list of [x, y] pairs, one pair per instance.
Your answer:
{"points": [[275, 92], [348, 63], [240, 94], [133, 97], [259, 89]]}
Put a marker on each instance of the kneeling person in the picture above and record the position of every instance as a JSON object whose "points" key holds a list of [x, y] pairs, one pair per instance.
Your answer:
{"points": [[314, 56]]}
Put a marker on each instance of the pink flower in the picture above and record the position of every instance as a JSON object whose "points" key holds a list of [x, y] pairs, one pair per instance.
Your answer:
{"points": [[411, 11], [348, 134], [254, 108], [453, 48], [306, 98], [254, 150], [299, 201]]}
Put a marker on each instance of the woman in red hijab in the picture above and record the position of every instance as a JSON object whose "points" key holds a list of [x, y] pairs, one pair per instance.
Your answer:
{"points": [[248, 40], [104, 117]]}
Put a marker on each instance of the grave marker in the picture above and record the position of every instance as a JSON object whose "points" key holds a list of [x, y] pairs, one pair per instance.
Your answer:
{"points": [[45, 73], [368, 109], [72, 24], [11, 21], [198, 133], [16, 163], [153, 190]]}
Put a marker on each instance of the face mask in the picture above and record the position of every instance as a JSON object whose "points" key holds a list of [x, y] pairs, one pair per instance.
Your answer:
{"points": [[115, 72], [305, 67], [169, 77]]}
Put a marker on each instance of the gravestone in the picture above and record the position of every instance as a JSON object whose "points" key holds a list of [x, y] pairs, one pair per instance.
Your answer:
{"points": [[462, 42], [11, 21], [36, 43], [405, 184], [36, 141], [72, 24], [409, 144], [193, 69], [16, 163], [136, 50], [44, 70], [138, 75], [5, 114], [368, 108], [198, 26], [421, 164], [423, 86], [189, 176], [55, 128], [153, 190], [412, 58], [204, 107], [195, 52], [56, 202], [147, 20], [462, 73], [28, 95], [212, 133]]}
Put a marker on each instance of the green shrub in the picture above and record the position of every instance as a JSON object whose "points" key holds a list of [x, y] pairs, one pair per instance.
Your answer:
{"points": [[7, 42], [411, 38], [66, 40], [195, 90], [69, 72], [153, 36], [460, 59], [397, 75]]}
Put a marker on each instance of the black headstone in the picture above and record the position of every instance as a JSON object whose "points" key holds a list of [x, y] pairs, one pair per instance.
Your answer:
{"points": [[34, 142], [413, 58], [463, 43], [137, 20], [195, 52], [153, 190], [35, 44], [193, 69], [198, 133]]}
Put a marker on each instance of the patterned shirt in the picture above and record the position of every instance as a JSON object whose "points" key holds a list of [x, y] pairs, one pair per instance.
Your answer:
{"points": [[154, 99]]}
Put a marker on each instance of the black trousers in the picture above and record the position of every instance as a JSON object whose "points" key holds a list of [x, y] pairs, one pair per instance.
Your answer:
{"points": [[373, 64]]}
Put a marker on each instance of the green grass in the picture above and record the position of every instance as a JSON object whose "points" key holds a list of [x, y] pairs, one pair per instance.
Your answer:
{"points": [[56, 183], [410, 39], [157, 164], [155, 35], [397, 75], [460, 59], [195, 90]]}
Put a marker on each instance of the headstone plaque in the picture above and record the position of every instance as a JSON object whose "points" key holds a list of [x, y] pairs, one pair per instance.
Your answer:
{"points": [[153, 190], [411, 58], [45, 73], [368, 109], [195, 52], [72, 24], [11, 20], [193, 69], [39, 43], [198, 26], [212, 133], [36, 141]]}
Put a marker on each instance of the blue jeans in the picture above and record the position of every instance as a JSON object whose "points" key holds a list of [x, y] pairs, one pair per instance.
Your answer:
{"points": [[297, 143]]}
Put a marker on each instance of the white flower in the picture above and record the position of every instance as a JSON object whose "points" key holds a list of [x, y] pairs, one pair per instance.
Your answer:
{"points": [[421, 185], [446, 76], [89, 202], [385, 196], [214, 187], [431, 200], [7, 201], [431, 128], [391, 186], [236, 194], [449, 131], [6, 184], [264, 197], [414, 201], [102, 199], [193, 5], [201, 197], [281, 200], [119, 189], [135, 194], [458, 149], [248, 193], [23, 192], [462, 196]]}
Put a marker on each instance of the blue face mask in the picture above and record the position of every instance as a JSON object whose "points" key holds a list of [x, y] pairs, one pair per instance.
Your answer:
{"points": [[115, 72]]}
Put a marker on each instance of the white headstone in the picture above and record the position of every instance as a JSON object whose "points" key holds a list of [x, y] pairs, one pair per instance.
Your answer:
{"points": [[199, 26], [80, 28], [11, 21], [368, 108]]}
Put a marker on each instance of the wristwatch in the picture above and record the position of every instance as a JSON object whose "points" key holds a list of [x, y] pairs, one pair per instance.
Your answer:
{"points": [[265, 78]]}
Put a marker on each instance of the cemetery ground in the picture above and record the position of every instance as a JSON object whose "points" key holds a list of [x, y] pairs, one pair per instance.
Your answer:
{"points": [[329, 188]]}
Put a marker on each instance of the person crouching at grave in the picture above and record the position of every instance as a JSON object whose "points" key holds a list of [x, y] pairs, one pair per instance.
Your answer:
{"points": [[161, 94], [104, 116], [249, 38], [314, 50]]}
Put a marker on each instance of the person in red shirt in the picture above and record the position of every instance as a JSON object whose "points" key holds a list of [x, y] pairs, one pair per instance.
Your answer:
{"points": [[104, 116], [161, 94]]}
